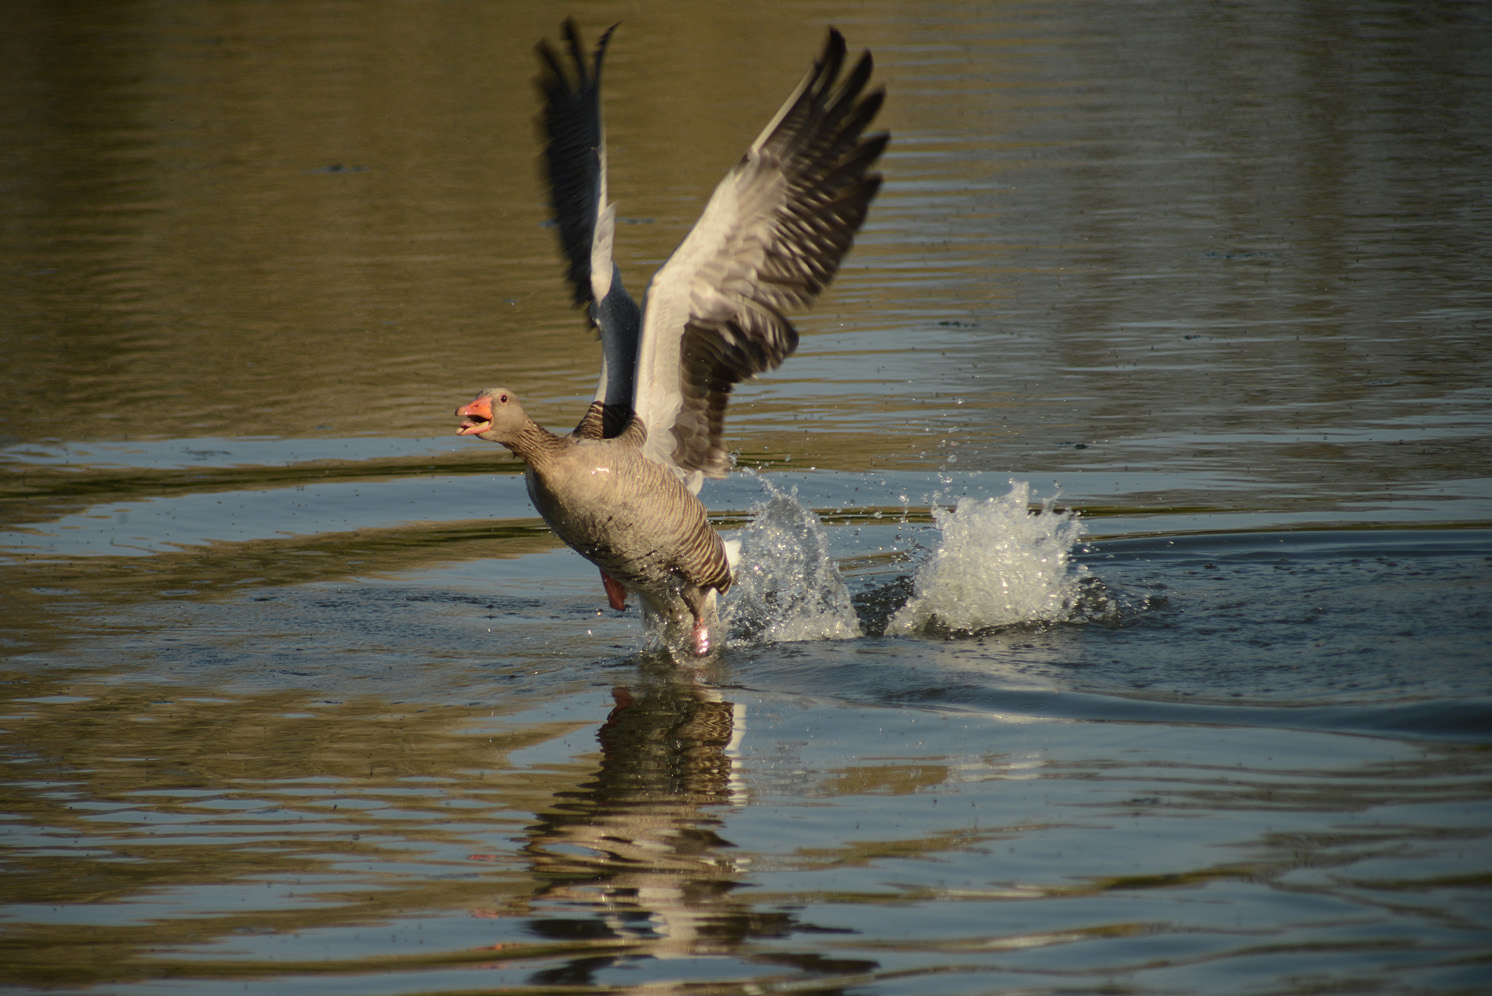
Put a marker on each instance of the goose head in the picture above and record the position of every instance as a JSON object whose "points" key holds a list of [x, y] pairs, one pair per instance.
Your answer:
{"points": [[494, 415]]}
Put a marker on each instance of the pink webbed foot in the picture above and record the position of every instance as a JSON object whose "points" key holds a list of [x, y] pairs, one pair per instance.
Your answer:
{"points": [[700, 638]]}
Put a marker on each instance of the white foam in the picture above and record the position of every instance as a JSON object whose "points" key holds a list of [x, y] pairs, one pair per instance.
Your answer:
{"points": [[995, 564], [787, 587]]}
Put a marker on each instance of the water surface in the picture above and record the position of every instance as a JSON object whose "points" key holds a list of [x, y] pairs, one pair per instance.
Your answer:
{"points": [[300, 695]]}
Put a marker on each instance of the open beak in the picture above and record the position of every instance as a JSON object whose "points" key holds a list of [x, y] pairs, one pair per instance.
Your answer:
{"points": [[476, 417]]}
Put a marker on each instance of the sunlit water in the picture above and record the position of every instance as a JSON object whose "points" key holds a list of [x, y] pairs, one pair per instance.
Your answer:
{"points": [[1115, 595]]}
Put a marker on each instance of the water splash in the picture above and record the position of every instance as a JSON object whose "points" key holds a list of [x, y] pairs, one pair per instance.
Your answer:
{"points": [[995, 564], [787, 587]]}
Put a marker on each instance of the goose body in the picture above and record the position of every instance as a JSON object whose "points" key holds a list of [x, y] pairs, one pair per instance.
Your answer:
{"points": [[621, 488], [629, 515]]}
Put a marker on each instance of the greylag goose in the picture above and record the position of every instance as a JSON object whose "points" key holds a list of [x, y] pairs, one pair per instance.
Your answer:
{"points": [[621, 488]]}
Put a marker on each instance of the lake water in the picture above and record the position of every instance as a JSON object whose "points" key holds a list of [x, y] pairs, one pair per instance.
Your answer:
{"points": [[1116, 613]]}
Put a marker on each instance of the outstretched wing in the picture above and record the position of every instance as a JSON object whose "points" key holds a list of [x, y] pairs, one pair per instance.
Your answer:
{"points": [[770, 239], [575, 166]]}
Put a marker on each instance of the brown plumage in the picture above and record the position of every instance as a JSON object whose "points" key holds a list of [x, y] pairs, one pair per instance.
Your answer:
{"points": [[630, 516], [620, 489]]}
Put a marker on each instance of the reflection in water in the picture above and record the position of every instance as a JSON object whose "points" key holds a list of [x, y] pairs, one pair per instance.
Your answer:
{"points": [[634, 856], [269, 683]]}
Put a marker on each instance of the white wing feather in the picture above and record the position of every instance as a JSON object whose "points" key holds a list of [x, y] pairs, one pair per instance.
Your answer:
{"points": [[770, 239]]}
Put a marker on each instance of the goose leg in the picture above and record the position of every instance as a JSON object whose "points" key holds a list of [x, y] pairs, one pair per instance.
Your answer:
{"points": [[615, 593], [700, 638], [701, 605]]}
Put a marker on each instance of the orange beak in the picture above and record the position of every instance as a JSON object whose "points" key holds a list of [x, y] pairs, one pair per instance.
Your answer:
{"points": [[475, 417]]}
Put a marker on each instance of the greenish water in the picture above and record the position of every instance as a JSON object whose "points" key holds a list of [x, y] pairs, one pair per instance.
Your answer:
{"points": [[299, 695]]}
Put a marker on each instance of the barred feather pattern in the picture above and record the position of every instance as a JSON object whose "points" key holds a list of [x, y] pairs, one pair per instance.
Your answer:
{"points": [[771, 239], [630, 516]]}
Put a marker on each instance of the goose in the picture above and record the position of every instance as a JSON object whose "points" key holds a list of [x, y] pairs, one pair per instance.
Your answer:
{"points": [[622, 488]]}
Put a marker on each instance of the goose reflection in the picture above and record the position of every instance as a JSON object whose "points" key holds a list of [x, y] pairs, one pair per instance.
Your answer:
{"points": [[634, 860]]}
